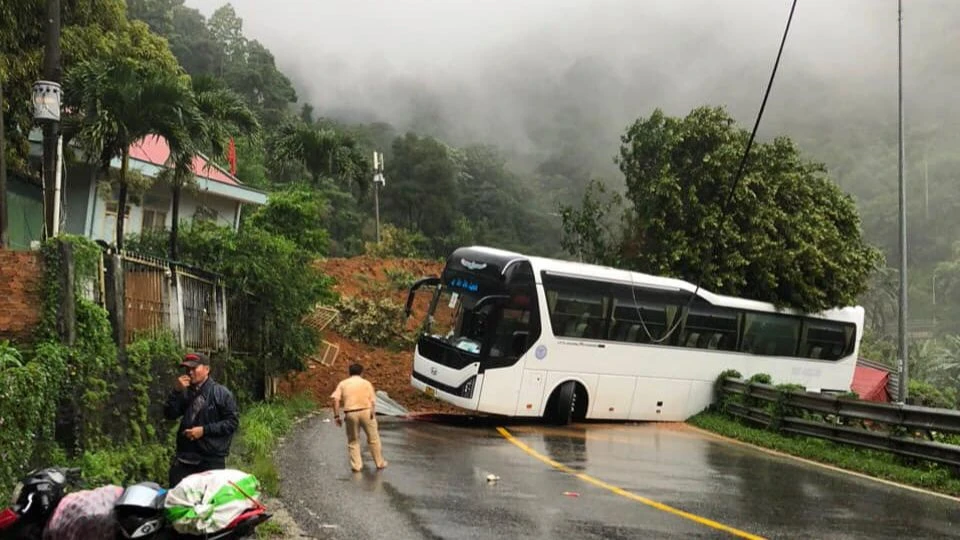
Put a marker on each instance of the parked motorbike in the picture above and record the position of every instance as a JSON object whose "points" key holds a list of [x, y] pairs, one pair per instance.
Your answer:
{"points": [[138, 513], [35, 498]]}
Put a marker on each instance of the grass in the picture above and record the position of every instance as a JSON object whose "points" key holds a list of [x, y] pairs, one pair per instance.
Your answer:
{"points": [[271, 529], [870, 462], [261, 427]]}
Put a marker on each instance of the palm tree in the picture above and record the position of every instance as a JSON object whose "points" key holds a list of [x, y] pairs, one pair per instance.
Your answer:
{"points": [[214, 116], [324, 153], [116, 102]]}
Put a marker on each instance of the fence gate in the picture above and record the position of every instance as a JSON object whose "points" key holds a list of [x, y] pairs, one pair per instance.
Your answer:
{"points": [[146, 295], [198, 296]]}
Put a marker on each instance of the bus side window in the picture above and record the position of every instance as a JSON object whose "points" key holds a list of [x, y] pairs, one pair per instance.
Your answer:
{"points": [[771, 334], [825, 340]]}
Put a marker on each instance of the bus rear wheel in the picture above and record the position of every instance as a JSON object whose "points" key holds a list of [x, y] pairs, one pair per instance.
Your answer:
{"points": [[567, 403]]}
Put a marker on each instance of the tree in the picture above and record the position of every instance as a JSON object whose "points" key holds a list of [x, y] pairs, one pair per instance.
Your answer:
{"points": [[119, 101], [423, 187], [296, 215], [590, 232], [227, 29], [325, 153], [789, 236], [212, 117], [91, 29]]}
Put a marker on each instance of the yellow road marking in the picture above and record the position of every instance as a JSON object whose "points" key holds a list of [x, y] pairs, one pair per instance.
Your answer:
{"points": [[624, 493]]}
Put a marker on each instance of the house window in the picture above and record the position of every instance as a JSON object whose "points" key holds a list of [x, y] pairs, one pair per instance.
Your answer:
{"points": [[110, 221], [154, 220]]}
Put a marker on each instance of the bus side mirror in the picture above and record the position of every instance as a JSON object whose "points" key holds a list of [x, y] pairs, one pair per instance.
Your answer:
{"points": [[408, 309]]}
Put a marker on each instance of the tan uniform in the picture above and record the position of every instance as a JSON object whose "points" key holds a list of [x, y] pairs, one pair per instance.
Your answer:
{"points": [[358, 398]]}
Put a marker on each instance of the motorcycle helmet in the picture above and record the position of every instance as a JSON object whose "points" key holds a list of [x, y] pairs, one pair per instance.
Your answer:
{"points": [[39, 493], [139, 510]]}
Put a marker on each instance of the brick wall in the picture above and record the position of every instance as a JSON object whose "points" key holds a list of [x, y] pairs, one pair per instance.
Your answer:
{"points": [[20, 275]]}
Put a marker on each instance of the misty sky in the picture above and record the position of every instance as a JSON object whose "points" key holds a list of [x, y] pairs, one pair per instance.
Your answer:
{"points": [[516, 72]]}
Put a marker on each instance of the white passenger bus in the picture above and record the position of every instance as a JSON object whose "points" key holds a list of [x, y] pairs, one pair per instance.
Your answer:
{"points": [[523, 336]]}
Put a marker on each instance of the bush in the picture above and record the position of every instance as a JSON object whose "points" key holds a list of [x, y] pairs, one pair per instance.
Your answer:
{"points": [[399, 278], [260, 430], [397, 243], [294, 214], [9, 355], [926, 395], [379, 323]]}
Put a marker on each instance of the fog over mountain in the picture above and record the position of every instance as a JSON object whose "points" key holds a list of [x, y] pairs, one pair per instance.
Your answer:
{"points": [[537, 76]]}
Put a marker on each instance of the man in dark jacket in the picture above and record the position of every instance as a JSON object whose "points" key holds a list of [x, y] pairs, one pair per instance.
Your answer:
{"points": [[209, 419]]}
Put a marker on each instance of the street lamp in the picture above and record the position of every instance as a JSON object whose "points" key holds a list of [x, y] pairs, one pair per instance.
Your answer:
{"points": [[379, 181], [47, 99]]}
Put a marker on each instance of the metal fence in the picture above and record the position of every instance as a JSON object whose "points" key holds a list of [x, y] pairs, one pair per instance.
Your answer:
{"points": [[905, 430], [191, 303], [198, 298], [146, 295]]}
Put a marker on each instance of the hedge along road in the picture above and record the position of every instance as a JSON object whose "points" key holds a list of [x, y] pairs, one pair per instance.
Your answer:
{"points": [[584, 481]]}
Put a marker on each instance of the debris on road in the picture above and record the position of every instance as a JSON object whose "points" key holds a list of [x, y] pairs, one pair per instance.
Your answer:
{"points": [[571, 493], [388, 407]]}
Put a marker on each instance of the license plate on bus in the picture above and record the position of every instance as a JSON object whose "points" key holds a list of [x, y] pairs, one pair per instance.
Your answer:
{"points": [[430, 391]]}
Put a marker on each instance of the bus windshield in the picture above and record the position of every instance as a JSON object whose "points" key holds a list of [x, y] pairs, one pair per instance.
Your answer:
{"points": [[457, 323]]}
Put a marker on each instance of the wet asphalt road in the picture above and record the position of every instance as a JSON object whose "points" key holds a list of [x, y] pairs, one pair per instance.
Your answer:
{"points": [[436, 487]]}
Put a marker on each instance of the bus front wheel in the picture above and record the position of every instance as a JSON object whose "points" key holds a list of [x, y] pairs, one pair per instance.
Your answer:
{"points": [[567, 403]]}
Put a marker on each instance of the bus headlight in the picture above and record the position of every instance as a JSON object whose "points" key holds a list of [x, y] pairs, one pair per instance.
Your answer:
{"points": [[466, 389]]}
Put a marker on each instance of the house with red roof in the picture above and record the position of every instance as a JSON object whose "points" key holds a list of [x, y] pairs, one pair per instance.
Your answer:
{"points": [[89, 208]]}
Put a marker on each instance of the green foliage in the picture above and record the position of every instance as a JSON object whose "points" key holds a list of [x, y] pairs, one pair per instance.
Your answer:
{"points": [[874, 463], [374, 322], [295, 214], [789, 236], [273, 269], [422, 178], [10, 357], [761, 378], [399, 278], [926, 395], [28, 408], [80, 405], [878, 348], [589, 232], [397, 243], [721, 398], [126, 464], [150, 367], [260, 430]]}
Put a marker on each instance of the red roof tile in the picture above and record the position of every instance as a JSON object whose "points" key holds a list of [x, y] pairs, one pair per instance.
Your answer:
{"points": [[154, 149]]}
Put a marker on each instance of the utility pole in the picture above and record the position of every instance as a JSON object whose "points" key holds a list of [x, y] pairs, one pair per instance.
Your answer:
{"points": [[902, 320], [378, 182], [44, 94], [926, 187], [4, 240]]}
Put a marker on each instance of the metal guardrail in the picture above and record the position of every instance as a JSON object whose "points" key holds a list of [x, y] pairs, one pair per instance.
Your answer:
{"points": [[910, 417]]}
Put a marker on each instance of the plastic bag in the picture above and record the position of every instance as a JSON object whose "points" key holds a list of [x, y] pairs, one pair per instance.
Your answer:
{"points": [[208, 502]]}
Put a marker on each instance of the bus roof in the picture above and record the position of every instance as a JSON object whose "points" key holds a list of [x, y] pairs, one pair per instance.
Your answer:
{"points": [[502, 258]]}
